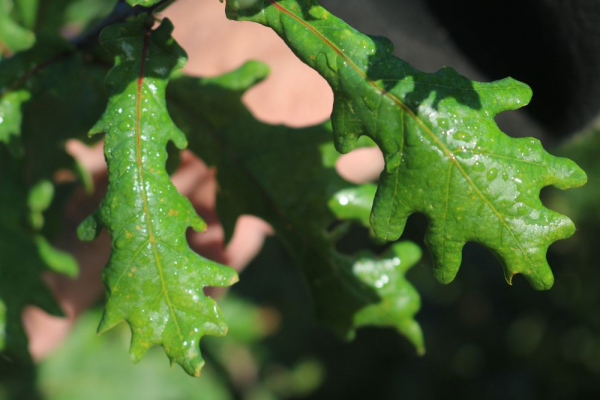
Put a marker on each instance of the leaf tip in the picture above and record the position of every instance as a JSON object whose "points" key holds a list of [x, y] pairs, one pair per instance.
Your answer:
{"points": [[138, 348], [107, 322], [192, 366], [538, 281]]}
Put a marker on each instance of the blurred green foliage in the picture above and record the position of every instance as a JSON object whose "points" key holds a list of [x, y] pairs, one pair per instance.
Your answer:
{"points": [[485, 340]]}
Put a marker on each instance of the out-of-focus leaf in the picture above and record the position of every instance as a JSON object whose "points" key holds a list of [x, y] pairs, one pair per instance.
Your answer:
{"points": [[82, 366], [445, 156], [583, 204], [56, 260], [13, 37], [73, 15], [11, 117], [285, 176], [48, 95], [143, 3], [20, 264], [354, 203], [27, 10], [16, 84], [154, 281], [39, 199], [400, 301]]}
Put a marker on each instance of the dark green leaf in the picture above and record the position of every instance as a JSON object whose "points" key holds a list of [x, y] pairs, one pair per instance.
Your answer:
{"points": [[20, 265], [17, 84], [399, 300], [285, 176]]}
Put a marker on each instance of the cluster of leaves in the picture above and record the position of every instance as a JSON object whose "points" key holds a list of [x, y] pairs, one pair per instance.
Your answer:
{"points": [[445, 157]]}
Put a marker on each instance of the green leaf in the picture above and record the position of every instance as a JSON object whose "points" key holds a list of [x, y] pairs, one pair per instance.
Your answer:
{"points": [[73, 14], [56, 260], [48, 95], [11, 117], [20, 265], [143, 3], [13, 37], [286, 177], [154, 281], [445, 156], [28, 10], [354, 203], [81, 367], [48, 85], [39, 199], [17, 83], [400, 301]]}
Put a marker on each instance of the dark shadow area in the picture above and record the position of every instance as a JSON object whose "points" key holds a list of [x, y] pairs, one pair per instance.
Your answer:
{"points": [[552, 45], [385, 67]]}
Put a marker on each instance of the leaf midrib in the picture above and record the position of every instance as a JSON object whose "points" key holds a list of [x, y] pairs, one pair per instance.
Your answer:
{"points": [[151, 237]]}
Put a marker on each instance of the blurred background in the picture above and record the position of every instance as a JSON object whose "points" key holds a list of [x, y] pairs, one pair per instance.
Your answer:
{"points": [[485, 339]]}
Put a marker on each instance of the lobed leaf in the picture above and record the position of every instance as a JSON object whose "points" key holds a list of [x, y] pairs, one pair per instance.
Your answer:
{"points": [[445, 156], [153, 280], [399, 300], [286, 176]]}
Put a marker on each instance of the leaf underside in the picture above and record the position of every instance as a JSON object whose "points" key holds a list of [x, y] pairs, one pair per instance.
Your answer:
{"points": [[287, 176], [445, 156], [153, 280]]}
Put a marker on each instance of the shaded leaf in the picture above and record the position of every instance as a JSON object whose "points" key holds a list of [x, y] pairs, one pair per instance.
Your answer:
{"points": [[285, 176], [59, 96], [72, 14], [445, 156], [154, 281], [20, 264], [28, 10], [16, 85], [354, 203], [399, 300]]}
